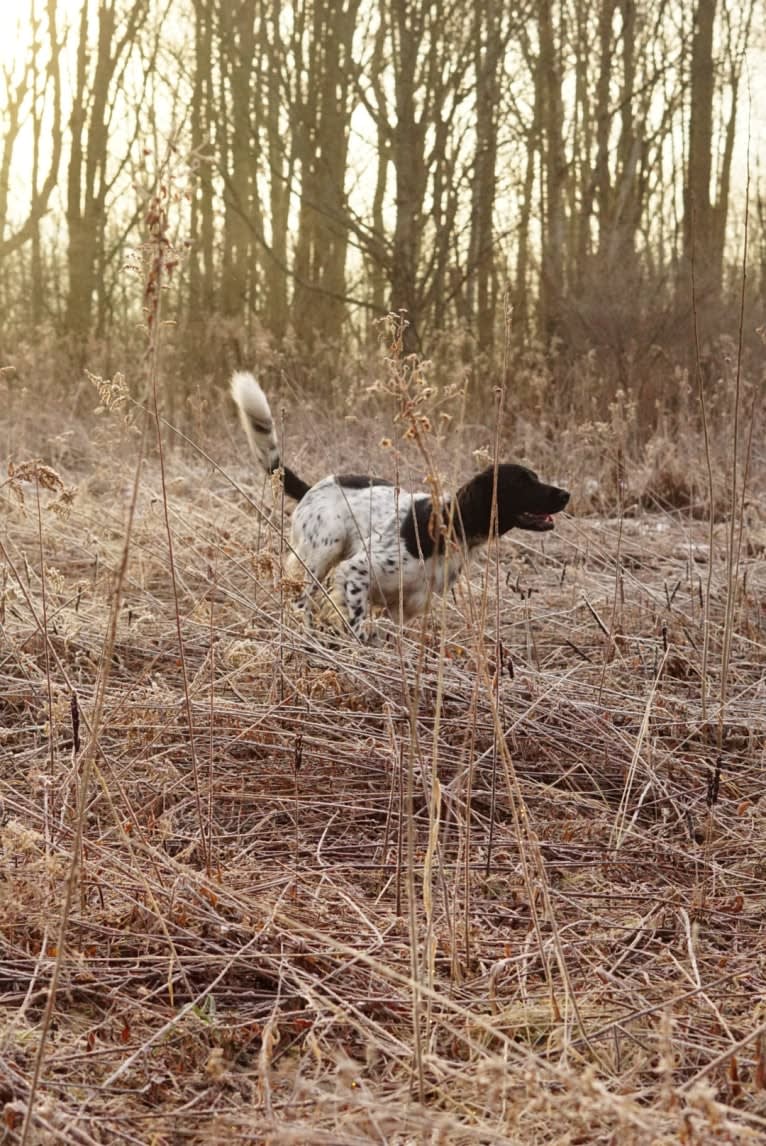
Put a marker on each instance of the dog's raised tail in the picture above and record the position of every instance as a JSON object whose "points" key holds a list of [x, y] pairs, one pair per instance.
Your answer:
{"points": [[258, 424]]}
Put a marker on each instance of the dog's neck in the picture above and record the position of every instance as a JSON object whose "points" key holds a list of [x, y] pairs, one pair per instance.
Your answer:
{"points": [[471, 513]]}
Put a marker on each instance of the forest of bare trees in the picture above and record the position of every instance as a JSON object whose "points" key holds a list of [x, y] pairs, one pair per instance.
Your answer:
{"points": [[327, 161]]}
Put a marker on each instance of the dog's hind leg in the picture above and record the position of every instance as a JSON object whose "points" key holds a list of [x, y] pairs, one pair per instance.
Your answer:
{"points": [[311, 564]]}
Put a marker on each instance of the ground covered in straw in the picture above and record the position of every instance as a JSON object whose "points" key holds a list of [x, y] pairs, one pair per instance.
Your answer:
{"points": [[501, 879]]}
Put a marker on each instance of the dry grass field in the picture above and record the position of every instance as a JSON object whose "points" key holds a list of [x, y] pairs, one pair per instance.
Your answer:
{"points": [[499, 879]]}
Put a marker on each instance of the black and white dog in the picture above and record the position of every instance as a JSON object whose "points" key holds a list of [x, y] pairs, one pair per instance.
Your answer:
{"points": [[389, 547]]}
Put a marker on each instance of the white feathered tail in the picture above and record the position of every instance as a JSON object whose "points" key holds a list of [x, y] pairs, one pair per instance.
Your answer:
{"points": [[256, 419], [258, 424]]}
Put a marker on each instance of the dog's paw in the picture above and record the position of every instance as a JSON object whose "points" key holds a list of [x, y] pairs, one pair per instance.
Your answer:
{"points": [[329, 618], [328, 611]]}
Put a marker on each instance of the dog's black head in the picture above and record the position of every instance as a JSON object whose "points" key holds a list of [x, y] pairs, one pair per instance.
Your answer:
{"points": [[523, 502]]}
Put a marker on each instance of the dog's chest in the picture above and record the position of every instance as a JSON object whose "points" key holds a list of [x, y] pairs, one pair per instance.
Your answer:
{"points": [[403, 583], [374, 525], [443, 569], [400, 576]]}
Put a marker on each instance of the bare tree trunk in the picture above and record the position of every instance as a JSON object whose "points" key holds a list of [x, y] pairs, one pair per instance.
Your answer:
{"points": [[378, 270], [522, 311], [281, 167], [583, 184], [242, 219], [736, 53], [407, 150], [320, 258], [488, 50], [89, 125], [36, 269], [698, 211], [554, 171], [201, 264], [602, 180], [627, 209], [760, 207], [80, 255], [371, 75], [14, 113]]}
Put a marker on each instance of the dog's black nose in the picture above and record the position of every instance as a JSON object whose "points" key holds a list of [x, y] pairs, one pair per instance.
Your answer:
{"points": [[563, 497]]}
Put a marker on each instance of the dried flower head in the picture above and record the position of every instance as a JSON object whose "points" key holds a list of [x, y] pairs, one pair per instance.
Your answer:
{"points": [[113, 394], [32, 471], [62, 506]]}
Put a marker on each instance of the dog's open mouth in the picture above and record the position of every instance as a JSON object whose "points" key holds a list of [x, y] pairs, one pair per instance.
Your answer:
{"points": [[537, 521]]}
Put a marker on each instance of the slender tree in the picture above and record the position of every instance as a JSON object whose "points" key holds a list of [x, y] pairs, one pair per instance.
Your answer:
{"points": [[554, 171], [44, 94], [97, 71], [322, 129], [202, 273], [491, 33], [240, 146], [698, 208]]}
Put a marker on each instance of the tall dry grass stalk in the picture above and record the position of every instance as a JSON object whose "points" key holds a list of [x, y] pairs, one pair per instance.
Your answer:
{"points": [[710, 486], [161, 262], [736, 500]]}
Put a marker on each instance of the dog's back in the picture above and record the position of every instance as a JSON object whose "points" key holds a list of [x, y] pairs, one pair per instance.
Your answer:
{"points": [[343, 515]]}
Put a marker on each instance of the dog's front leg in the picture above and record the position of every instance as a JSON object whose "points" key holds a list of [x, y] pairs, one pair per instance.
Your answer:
{"points": [[352, 588]]}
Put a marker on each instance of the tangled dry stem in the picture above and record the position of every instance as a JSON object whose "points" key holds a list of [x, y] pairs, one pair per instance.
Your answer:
{"points": [[539, 804]]}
